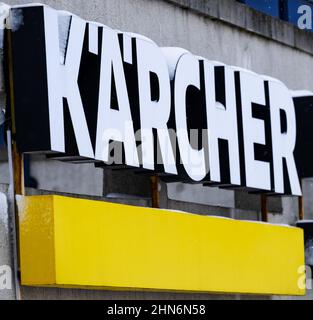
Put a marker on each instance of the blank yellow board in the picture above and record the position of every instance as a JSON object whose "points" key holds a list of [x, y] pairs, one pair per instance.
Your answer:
{"points": [[67, 242]]}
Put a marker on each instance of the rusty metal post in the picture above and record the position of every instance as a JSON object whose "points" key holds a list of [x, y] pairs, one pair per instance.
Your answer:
{"points": [[18, 162], [264, 208], [17, 158], [301, 206], [154, 181]]}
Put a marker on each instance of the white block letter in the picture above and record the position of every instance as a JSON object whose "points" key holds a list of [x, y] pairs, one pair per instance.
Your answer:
{"points": [[222, 123], [188, 74], [154, 114], [283, 142], [115, 125], [63, 83], [258, 173]]}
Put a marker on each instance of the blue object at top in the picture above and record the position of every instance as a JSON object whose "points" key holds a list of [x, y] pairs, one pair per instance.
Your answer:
{"points": [[271, 7], [292, 7], [284, 9]]}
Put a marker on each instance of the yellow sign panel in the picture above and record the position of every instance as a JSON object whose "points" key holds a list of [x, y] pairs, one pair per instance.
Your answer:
{"points": [[67, 242]]}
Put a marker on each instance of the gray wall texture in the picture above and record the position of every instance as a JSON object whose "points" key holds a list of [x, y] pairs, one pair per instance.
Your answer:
{"points": [[5, 246], [218, 30]]}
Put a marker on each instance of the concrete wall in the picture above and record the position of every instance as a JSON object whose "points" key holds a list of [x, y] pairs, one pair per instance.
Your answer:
{"points": [[170, 25], [218, 30]]}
